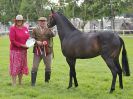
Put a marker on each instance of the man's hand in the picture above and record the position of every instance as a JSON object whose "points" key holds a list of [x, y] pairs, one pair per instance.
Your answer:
{"points": [[39, 43]]}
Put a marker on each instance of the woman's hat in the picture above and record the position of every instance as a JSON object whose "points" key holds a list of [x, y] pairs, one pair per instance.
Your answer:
{"points": [[42, 19], [19, 17]]}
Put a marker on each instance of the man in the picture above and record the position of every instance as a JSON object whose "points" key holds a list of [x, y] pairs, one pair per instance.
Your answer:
{"points": [[43, 49]]}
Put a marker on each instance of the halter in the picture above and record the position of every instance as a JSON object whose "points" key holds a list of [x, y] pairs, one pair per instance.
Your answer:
{"points": [[52, 14]]}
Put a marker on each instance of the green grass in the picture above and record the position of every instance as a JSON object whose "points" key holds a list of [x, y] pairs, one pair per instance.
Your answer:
{"points": [[93, 76]]}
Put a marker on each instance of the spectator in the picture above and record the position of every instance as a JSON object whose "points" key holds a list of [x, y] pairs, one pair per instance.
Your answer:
{"points": [[18, 50]]}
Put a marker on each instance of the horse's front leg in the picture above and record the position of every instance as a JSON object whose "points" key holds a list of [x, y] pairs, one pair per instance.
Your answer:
{"points": [[72, 73], [70, 78]]}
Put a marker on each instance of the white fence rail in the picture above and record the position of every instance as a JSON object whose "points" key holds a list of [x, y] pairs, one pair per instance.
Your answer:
{"points": [[4, 33], [123, 32], [116, 30]]}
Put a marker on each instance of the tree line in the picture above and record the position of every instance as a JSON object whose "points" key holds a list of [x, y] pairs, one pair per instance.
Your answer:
{"points": [[89, 9]]}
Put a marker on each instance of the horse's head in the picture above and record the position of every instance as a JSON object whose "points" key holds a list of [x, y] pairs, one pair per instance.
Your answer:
{"points": [[51, 20], [57, 18]]}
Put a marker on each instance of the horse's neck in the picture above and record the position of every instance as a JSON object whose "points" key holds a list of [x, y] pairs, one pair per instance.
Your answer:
{"points": [[64, 27]]}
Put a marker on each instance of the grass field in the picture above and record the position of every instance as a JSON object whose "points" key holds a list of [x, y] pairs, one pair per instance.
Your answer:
{"points": [[93, 76]]}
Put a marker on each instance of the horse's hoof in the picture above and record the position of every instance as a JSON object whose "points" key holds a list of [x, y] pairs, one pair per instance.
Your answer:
{"points": [[69, 87], [121, 87], [76, 85], [111, 90]]}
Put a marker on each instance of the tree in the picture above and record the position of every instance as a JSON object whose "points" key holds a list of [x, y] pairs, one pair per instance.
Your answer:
{"points": [[9, 9], [89, 9]]}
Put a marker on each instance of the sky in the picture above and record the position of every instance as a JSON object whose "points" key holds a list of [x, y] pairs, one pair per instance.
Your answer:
{"points": [[56, 1]]}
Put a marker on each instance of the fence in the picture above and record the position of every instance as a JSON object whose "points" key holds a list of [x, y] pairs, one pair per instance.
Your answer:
{"points": [[123, 32], [4, 33]]}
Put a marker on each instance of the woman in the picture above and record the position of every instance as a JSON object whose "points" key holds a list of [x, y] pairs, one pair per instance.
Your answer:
{"points": [[18, 50]]}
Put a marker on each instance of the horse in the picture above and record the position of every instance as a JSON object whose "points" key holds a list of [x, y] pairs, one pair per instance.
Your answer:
{"points": [[127, 26], [78, 45]]}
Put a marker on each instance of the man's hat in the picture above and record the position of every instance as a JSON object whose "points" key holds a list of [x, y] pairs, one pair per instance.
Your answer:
{"points": [[42, 19]]}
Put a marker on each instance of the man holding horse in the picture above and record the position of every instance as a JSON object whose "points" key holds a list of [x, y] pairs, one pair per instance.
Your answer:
{"points": [[43, 49]]}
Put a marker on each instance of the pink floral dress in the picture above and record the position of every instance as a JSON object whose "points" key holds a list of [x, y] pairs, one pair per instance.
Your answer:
{"points": [[18, 55]]}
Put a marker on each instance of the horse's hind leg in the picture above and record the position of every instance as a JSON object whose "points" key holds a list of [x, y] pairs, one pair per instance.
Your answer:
{"points": [[74, 76], [119, 72], [72, 73], [109, 61]]}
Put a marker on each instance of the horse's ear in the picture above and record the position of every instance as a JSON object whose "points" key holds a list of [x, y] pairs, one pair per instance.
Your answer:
{"points": [[52, 10]]}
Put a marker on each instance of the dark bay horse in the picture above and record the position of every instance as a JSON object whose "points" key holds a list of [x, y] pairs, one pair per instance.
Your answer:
{"points": [[78, 45]]}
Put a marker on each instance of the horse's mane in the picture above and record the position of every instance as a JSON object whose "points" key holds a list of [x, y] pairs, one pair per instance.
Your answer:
{"points": [[66, 20]]}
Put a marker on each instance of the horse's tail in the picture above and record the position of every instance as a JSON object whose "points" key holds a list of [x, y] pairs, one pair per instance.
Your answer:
{"points": [[125, 65]]}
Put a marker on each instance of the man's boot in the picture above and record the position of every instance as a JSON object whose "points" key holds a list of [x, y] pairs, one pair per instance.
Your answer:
{"points": [[47, 76], [33, 78]]}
